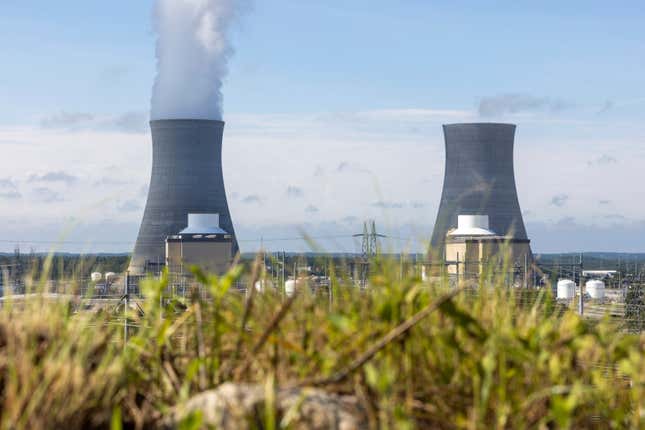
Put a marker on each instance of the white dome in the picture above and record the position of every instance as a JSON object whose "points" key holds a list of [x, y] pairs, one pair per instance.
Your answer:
{"points": [[96, 276]]}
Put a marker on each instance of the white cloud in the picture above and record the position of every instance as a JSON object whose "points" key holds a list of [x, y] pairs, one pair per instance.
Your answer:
{"points": [[500, 105], [128, 122], [344, 167]]}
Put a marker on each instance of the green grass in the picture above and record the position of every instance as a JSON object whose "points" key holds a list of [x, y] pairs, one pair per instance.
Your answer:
{"points": [[417, 355]]}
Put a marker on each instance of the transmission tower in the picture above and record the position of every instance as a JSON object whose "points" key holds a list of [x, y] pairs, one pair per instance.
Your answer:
{"points": [[369, 248]]}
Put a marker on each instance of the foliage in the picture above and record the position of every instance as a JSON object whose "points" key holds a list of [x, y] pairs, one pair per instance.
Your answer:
{"points": [[414, 355]]}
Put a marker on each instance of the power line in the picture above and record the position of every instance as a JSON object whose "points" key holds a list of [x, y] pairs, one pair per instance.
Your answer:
{"points": [[131, 243]]}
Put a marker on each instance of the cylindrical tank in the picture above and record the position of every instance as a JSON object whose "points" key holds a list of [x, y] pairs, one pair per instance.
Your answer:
{"points": [[595, 289], [566, 289], [261, 285], [290, 287], [186, 178], [96, 276], [479, 180], [110, 276]]}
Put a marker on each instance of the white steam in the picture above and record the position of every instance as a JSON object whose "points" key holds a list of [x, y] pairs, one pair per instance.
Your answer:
{"points": [[193, 49]]}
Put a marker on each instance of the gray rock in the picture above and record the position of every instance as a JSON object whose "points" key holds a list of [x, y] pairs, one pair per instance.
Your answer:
{"points": [[241, 406]]}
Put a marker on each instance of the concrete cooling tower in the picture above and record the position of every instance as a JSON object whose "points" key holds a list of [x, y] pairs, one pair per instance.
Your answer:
{"points": [[186, 178], [479, 180]]}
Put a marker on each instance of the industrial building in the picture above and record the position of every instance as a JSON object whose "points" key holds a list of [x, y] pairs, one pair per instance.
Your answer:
{"points": [[472, 248], [186, 178], [479, 180], [203, 244]]}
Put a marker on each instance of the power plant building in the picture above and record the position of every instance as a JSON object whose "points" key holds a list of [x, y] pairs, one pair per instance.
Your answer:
{"points": [[186, 178], [203, 244], [472, 248], [479, 180]]}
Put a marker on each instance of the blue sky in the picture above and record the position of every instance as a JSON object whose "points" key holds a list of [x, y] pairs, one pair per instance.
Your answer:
{"points": [[323, 95]]}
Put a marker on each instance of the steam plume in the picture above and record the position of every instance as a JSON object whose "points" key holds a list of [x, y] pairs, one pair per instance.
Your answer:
{"points": [[193, 49]]}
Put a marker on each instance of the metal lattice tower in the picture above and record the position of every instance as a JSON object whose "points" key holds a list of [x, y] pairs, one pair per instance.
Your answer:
{"points": [[369, 247]]}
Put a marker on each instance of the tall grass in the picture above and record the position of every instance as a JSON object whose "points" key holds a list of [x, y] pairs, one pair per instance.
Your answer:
{"points": [[415, 354]]}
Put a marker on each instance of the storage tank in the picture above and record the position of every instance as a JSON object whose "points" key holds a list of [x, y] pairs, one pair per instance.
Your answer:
{"points": [[595, 289], [290, 287], [262, 285], [566, 289], [96, 276], [110, 276]]}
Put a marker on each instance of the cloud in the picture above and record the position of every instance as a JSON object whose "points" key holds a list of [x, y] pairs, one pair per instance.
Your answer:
{"points": [[9, 189], [603, 160], [128, 122], [58, 176], [571, 235], [10, 195], [559, 200], [518, 103], [606, 107], [108, 181], [615, 217], [294, 192], [346, 166], [129, 206], [349, 219], [7, 183], [311, 209], [47, 195], [388, 205], [604, 202], [67, 120], [252, 199]]}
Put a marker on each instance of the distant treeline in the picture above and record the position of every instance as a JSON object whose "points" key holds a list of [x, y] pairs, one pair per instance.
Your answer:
{"points": [[81, 266]]}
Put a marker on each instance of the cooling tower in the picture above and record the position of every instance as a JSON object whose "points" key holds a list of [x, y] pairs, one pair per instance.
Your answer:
{"points": [[479, 180], [186, 178]]}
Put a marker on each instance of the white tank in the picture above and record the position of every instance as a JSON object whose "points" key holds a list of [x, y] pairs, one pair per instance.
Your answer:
{"points": [[96, 276], [262, 284], [566, 289], [595, 288], [290, 287], [109, 276]]}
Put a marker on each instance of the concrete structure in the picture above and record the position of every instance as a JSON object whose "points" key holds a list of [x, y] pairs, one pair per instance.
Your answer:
{"points": [[186, 177], [472, 248], [203, 243], [479, 180]]}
